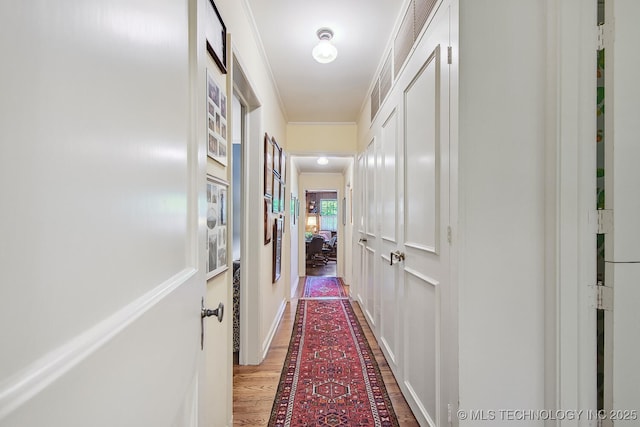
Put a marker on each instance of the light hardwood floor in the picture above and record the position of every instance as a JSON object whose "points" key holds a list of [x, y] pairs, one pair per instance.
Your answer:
{"points": [[254, 387]]}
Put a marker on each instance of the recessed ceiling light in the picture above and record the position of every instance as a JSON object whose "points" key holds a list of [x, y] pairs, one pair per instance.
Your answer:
{"points": [[323, 160]]}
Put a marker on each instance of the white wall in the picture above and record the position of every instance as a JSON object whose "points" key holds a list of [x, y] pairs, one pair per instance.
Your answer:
{"points": [[293, 230], [270, 298], [348, 229], [322, 138]]}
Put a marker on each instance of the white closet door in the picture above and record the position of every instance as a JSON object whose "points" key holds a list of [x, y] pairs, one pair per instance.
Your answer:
{"points": [[623, 176], [423, 249], [368, 236], [391, 309]]}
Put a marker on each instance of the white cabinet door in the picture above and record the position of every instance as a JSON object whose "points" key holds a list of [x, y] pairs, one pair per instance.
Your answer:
{"points": [[100, 280], [622, 255], [423, 249], [389, 283]]}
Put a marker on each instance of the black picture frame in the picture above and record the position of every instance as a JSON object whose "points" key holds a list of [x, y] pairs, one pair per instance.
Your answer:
{"points": [[283, 196], [277, 157], [217, 227], [268, 166], [217, 38], [277, 249], [267, 220], [277, 198]]}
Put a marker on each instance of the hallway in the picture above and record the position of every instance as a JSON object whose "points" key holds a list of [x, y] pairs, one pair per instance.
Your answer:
{"points": [[485, 204], [254, 387]]}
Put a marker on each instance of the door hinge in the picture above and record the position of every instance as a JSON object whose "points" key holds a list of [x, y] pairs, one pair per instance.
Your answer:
{"points": [[604, 35], [449, 55], [604, 221], [600, 37], [602, 297], [449, 234]]}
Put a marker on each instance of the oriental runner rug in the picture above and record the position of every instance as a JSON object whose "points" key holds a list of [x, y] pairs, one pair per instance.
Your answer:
{"points": [[323, 287], [330, 376]]}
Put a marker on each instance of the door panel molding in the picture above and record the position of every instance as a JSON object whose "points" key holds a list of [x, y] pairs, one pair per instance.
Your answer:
{"points": [[388, 170], [40, 374], [422, 154], [423, 317], [423, 248]]}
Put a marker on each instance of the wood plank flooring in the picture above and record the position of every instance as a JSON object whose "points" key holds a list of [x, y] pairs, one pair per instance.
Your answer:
{"points": [[254, 387], [322, 270]]}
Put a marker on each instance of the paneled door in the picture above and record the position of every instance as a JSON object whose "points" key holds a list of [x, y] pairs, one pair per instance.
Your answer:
{"points": [[421, 255], [359, 235], [369, 237], [622, 175], [102, 247], [389, 283]]}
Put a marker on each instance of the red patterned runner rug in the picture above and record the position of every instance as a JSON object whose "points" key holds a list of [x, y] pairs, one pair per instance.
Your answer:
{"points": [[330, 376], [323, 287]]}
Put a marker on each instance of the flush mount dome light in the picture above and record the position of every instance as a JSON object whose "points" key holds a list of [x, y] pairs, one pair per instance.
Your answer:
{"points": [[322, 160], [324, 52]]}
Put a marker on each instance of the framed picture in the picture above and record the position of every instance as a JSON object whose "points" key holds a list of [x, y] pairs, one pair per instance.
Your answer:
{"points": [[283, 167], [216, 33], [217, 205], [344, 211], [283, 195], [276, 157], [277, 248], [292, 209], [216, 122], [267, 222], [351, 205], [276, 196], [268, 166], [223, 106]]}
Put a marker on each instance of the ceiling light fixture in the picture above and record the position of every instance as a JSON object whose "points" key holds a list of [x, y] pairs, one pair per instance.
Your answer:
{"points": [[323, 160], [325, 52]]}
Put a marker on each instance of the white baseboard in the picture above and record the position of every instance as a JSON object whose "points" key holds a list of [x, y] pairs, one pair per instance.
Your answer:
{"points": [[294, 289], [274, 327]]}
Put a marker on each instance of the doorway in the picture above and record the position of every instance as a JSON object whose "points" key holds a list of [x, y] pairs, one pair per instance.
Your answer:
{"points": [[237, 214], [246, 127], [321, 233]]}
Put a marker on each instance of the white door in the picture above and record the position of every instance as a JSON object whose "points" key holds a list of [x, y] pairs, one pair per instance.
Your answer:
{"points": [[358, 235], [422, 253], [369, 237], [389, 283], [622, 253], [100, 278]]}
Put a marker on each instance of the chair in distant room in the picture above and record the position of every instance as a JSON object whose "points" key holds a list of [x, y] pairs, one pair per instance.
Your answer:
{"points": [[326, 235], [329, 249], [314, 252]]}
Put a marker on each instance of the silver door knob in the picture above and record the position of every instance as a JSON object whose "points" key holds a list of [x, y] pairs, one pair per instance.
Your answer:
{"points": [[217, 312]]}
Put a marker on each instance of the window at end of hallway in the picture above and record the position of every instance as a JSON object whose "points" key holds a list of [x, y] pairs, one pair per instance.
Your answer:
{"points": [[329, 214]]}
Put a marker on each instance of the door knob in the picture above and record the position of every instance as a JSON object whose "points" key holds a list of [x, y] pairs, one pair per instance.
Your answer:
{"points": [[396, 255], [206, 312], [217, 312]]}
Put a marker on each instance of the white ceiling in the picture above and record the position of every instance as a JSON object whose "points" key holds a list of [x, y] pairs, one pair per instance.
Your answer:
{"points": [[309, 164], [334, 92]]}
